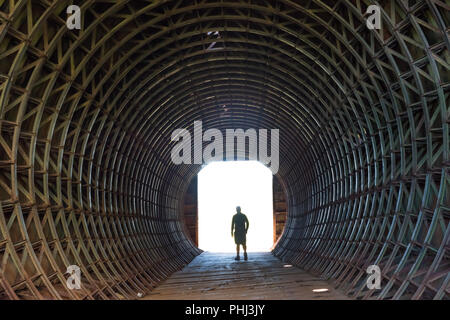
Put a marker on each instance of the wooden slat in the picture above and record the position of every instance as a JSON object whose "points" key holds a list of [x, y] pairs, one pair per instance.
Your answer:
{"points": [[263, 276]]}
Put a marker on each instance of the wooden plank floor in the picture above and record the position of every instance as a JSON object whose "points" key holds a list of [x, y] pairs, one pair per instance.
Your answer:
{"points": [[263, 276]]}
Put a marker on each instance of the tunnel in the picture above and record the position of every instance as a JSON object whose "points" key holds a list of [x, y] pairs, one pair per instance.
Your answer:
{"points": [[87, 114]]}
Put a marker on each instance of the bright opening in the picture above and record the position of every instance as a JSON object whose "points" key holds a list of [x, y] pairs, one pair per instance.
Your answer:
{"points": [[221, 187]]}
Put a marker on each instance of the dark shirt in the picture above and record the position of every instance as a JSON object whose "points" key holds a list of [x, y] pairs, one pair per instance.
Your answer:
{"points": [[240, 224]]}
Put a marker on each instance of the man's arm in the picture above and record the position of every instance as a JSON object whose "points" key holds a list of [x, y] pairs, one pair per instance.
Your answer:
{"points": [[246, 224], [232, 226]]}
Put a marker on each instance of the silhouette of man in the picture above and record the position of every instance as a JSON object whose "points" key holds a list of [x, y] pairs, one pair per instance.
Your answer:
{"points": [[239, 225]]}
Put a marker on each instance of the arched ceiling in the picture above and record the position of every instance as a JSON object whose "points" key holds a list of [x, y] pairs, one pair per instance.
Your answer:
{"points": [[86, 118]]}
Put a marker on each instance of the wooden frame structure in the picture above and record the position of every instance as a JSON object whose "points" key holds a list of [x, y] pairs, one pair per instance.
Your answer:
{"points": [[86, 117]]}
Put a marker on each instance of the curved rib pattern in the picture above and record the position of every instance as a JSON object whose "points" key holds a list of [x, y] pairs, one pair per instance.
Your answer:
{"points": [[86, 118]]}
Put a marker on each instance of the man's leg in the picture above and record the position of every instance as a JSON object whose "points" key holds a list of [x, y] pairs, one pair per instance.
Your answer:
{"points": [[237, 252], [245, 251]]}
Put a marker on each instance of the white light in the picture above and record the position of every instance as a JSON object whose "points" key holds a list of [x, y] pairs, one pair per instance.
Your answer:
{"points": [[320, 290], [287, 265], [221, 187]]}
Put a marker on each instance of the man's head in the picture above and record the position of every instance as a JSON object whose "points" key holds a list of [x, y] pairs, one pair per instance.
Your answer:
{"points": [[238, 209]]}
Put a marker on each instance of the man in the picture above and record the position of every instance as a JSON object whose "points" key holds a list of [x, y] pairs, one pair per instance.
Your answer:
{"points": [[239, 225]]}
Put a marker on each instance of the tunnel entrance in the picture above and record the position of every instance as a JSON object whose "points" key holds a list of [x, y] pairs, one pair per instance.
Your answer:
{"points": [[278, 209], [221, 187]]}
